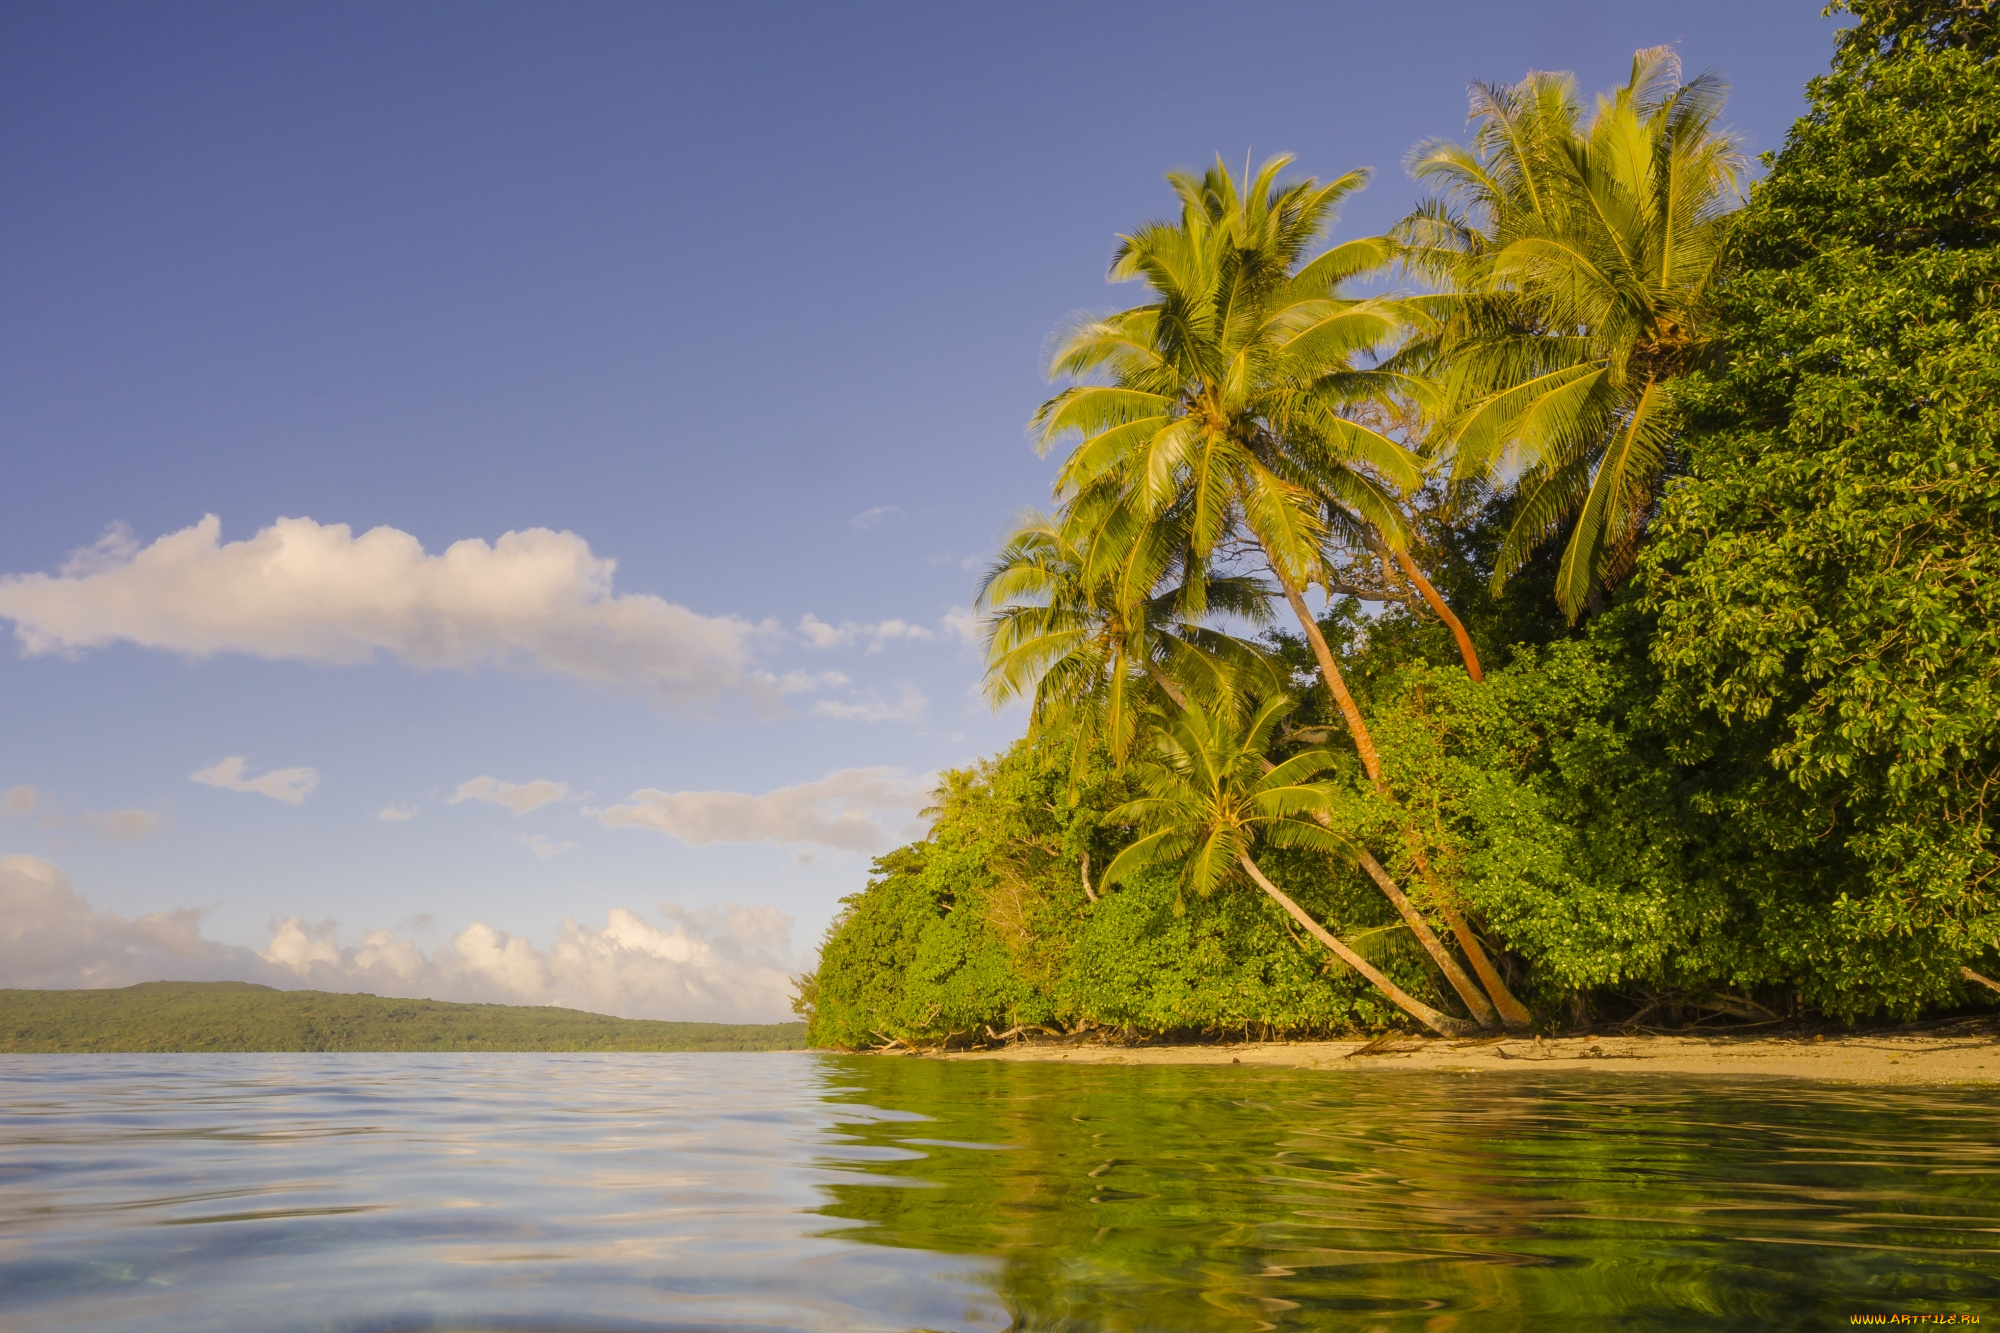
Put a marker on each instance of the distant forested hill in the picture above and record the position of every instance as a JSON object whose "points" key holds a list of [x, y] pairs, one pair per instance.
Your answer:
{"points": [[238, 1016]]}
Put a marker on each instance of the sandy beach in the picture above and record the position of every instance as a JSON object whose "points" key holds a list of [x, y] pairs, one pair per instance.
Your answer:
{"points": [[1960, 1054]]}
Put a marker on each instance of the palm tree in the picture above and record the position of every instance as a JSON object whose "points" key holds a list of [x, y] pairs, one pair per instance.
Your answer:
{"points": [[1228, 402], [1210, 800], [1085, 613], [1225, 397], [1575, 262]]}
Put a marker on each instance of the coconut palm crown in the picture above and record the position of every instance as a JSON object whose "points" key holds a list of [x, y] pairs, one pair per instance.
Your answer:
{"points": [[1575, 261], [1084, 613], [1210, 799], [1226, 393]]}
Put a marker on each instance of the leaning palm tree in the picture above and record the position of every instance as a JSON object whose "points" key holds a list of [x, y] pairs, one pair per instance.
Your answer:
{"points": [[1211, 800], [1228, 401], [1574, 262]]}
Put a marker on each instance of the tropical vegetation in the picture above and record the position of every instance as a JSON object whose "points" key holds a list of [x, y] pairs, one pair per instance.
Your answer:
{"points": [[1598, 623]]}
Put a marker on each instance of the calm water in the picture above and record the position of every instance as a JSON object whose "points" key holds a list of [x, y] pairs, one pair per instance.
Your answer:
{"points": [[803, 1192]]}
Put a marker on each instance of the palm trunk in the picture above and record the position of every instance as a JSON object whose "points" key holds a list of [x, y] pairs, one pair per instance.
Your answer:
{"points": [[1512, 1013], [1438, 604], [1469, 992], [1363, 742], [1167, 686], [1441, 1023], [1474, 1000]]}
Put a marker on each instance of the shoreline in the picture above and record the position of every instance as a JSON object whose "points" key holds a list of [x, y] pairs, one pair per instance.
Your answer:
{"points": [[1886, 1057]]}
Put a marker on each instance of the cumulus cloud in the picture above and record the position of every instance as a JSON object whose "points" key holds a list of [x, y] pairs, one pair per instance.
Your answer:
{"points": [[49, 938], [876, 517], [544, 849], [725, 964], [818, 633], [116, 825], [303, 591], [908, 708], [888, 631], [123, 825], [804, 682], [290, 785], [520, 797], [964, 624], [722, 964], [855, 810], [394, 813]]}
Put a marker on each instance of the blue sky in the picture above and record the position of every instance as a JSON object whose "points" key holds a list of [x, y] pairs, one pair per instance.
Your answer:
{"points": [[749, 299]]}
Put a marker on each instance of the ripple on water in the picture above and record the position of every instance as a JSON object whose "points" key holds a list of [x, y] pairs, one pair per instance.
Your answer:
{"points": [[801, 1192]]}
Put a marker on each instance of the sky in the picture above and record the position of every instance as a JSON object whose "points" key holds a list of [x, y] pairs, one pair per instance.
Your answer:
{"points": [[493, 494]]}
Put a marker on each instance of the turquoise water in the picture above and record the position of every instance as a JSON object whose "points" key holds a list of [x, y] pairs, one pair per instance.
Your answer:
{"points": [[533, 1192]]}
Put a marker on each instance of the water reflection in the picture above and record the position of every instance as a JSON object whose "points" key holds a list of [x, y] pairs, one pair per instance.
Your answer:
{"points": [[585, 1192], [365, 1193], [1200, 1198]]}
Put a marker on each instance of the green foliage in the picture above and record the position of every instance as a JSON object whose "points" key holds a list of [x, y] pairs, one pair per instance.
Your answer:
{"points": [[1828, 579], [237, 1016], [1149, 959], [1208, 800], [1083, 614], [1551, 801]]}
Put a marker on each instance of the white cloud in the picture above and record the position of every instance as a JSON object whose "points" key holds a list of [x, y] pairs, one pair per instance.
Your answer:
{"points": [[958, 623], [804, 682], [117, 825], [726, 964], [888, 631], [123, 825], [873, 518], [544, 849], [520, 797], [395, 813], [964, 624], [723, 964], [49, 938], [908, 708], [302, 591], [290, 785], [855, 809], [818, 633]]}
